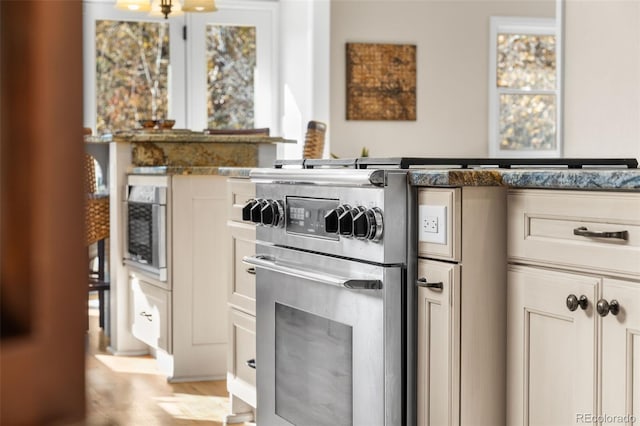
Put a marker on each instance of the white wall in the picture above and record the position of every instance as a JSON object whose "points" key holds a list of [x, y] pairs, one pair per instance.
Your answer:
{"points": [[602, 75], [452, 65], [602, 78], [305, 69]]}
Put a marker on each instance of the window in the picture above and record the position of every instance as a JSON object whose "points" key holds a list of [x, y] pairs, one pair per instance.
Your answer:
{"points": [[231, 62], [524, 92], [222, 75], [132, 66]]}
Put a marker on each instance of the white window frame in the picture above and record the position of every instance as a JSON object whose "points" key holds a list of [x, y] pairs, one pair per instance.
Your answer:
{"points": [[186, 103], [94, 10], [522, 25]]}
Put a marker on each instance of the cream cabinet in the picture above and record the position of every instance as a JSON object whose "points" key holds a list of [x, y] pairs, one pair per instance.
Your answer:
{"points": [[438, 345], [150, 313], [573, 307], [461, 346], [241, 297], [184, 320]]}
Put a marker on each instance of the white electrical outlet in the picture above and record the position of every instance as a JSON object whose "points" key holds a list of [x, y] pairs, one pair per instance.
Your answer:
{"points": [[432, 222]]}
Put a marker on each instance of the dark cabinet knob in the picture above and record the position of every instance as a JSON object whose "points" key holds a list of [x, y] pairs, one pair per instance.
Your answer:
{"points": [[603, 307], [251, 363], [573, 302]]}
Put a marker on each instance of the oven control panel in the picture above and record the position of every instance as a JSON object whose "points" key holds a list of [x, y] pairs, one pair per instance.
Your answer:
{"points": [[316, 217]]}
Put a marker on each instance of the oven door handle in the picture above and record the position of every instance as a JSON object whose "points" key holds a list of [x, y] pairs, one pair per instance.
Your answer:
{"points": [[271, 265]]}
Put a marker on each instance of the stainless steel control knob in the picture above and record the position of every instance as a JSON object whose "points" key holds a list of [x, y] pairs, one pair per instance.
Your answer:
{"points": [[256, 210], [346, 221], [332, 219], [246, 210], [367, 224], [272, 213]]}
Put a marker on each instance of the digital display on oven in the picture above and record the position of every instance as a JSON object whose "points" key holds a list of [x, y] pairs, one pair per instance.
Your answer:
{"points": [[305, 216]]}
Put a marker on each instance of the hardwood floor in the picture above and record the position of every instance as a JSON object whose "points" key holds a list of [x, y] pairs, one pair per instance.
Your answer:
{"points": [[130, 391]]}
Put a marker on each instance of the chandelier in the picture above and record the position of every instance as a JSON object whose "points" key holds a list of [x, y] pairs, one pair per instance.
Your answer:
{"points": [[165, 7]]}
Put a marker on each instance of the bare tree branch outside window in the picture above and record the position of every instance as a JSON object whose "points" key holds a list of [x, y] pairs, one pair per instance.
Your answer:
{"points": [[132, 63], [231, 63]]}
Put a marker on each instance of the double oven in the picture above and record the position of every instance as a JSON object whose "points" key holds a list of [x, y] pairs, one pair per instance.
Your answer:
{"points": [[331, 295]]}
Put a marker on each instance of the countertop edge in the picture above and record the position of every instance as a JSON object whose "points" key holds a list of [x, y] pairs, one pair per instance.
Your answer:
{"points": [[573, 179], [576, 179]]}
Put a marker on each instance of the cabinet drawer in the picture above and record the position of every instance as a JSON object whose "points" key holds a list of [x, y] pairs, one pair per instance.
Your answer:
{"points": [[239, 191], [242, 291], [151, 314], [439, 216], [241, 378], [544, 227]]}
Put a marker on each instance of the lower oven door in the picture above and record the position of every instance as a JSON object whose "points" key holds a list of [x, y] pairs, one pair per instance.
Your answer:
{"points": [[329, 340]]}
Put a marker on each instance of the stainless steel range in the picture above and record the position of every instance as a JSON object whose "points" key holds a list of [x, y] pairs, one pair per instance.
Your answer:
{"points": [[331, 295]]}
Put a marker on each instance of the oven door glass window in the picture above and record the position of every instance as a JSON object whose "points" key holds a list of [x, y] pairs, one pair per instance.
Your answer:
{"points": [[140, 231], [313, 368]]}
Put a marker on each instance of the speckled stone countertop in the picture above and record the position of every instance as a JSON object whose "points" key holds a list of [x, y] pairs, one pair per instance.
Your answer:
{"points": [[188, 150], [591, 179], [585, 179], [189, 136]]}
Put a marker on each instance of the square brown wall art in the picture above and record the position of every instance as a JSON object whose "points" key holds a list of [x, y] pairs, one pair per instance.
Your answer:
{"points": [[381, 81]]}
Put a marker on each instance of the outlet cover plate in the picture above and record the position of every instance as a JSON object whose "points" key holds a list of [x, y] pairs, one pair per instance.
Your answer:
{"points": [[432, 224]]}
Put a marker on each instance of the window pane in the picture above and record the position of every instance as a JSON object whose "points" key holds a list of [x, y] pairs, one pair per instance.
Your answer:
{"points": [[231, 63], [132, 63], [527, 122], [526, 61]]}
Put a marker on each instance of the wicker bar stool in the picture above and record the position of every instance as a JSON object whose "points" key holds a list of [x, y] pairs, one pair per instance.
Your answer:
{"points": [[314, 140], [97, 230]]}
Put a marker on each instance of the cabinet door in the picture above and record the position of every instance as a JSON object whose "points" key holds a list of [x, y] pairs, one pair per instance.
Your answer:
{"points": [[241, 376], [200, 270], [551, 350], [438, 344], [621, 351], [242, 288]]}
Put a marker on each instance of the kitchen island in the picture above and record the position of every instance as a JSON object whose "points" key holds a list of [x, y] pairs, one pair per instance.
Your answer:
{"points": [[182, 319]]}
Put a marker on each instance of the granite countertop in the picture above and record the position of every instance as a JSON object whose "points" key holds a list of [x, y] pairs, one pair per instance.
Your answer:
{"points": [[584, 179], [189, 136], [587, 179]]}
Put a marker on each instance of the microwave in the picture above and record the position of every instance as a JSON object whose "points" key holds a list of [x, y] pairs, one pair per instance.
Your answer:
{"points": [[146, 228]]}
